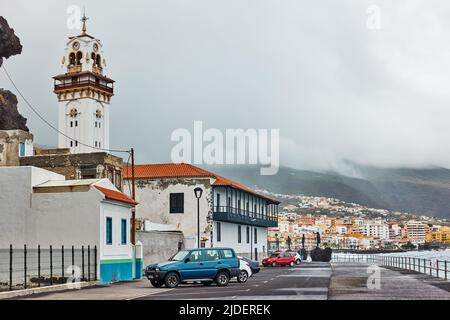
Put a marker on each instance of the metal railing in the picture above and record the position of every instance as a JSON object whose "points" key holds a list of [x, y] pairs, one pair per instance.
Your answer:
{"points": [[70, 85], [433, 267], [24, 268], [247, 213]]}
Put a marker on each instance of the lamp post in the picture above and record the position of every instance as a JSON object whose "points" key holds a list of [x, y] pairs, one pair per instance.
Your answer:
{"points": [[198, 194], [251, 238]]}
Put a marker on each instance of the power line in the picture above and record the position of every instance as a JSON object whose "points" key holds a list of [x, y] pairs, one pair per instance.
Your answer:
{"points": [[49, 124]]}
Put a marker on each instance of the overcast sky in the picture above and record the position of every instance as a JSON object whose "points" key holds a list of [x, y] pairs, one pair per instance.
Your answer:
{"points": [[335, 88]]}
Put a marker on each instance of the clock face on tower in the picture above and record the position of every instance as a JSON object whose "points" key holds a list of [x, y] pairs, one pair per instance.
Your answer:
{"points": [[76, 46], [95, 47]]}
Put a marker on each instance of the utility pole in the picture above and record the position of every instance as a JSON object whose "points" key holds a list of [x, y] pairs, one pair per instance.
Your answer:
{"points": [[133, 195]]}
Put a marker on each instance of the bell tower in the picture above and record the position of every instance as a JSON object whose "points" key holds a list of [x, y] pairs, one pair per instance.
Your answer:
{"points": [[84, 94]]}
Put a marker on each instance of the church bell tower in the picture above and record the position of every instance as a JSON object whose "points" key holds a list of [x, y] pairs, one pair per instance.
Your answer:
{"points": [[84, 93]]}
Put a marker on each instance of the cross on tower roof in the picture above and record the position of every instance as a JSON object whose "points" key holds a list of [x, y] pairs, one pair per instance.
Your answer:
{"points": [[84, 19]]}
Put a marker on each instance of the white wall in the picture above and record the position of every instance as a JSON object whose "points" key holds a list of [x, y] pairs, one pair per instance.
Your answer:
{"points": [[59, 218], [85, 131], [116, 250], [16, 201], [153, 197], [229, 238], [69, 218]]}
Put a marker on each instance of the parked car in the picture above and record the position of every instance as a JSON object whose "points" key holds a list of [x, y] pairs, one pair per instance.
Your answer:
{"points": [[254, 265], [210, 265], [298, 258], [279, 259], [245, 271]]}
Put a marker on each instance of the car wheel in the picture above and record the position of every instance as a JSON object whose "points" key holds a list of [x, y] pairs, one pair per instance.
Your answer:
{"points": [[242, 277], [207, 283], [274, 264], [291, 264], [156, 284], [172, 280], [222, 278], [297, 262]]}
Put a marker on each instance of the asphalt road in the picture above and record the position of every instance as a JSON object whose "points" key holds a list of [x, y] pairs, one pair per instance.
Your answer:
{"points": [[307, 281]]}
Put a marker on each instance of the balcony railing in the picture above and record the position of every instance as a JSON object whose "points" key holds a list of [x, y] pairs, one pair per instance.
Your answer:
{"points": [[97, 70], [236, 215], [74, 68], [83, 83]]}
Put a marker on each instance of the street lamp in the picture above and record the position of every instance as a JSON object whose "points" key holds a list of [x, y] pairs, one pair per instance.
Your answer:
{"points": [[251, 238], [198, 194]]}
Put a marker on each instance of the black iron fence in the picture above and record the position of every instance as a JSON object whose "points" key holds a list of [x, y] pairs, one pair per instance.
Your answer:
{"points": [[433, 267], [24, 267]]}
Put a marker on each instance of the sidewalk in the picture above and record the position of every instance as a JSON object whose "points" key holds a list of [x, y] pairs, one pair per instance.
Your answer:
{"points": [[349, 282], [118, 291]]}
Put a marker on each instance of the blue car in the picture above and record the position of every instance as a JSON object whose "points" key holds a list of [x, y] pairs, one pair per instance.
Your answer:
{"points": [[210, 265]]}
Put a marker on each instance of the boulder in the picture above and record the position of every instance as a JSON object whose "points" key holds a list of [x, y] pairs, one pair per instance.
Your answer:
{"points": [[10, 118], [9, 42]]}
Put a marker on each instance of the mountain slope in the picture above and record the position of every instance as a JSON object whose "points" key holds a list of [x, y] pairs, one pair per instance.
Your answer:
{"points": [[421, 191]]}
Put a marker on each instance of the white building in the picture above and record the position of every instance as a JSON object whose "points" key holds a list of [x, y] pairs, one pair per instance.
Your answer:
{"points": [[341, 229], [39, 207], [84, 94], [231, 215], [416, 232], [284, 226], [377, 230]]}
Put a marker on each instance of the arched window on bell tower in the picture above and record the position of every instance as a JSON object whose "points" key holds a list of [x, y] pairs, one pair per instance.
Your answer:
{"points": [[72, 59], [79, 57], [98, 62]]}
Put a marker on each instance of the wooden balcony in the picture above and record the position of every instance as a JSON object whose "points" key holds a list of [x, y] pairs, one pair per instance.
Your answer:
{"points": [[235, 215], [82, 84]]}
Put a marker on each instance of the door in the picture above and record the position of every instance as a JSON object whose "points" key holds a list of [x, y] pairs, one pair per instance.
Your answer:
{"points": [[210, 263], [228, 259], [192, 269], [285, 258]]}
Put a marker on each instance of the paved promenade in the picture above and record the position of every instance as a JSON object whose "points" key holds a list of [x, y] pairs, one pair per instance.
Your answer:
{"points": [[349, 282], [309, 281]]}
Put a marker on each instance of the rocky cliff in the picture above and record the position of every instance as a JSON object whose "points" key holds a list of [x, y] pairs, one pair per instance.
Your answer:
{"points": [[9, 42], [10, 118]]}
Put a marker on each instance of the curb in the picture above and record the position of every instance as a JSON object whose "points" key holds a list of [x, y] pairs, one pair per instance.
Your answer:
{"points": [[55, 288]]}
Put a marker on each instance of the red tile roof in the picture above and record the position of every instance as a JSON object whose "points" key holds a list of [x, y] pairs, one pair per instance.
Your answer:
{"points": [[185, 170], [115, 195], [165, 170]]}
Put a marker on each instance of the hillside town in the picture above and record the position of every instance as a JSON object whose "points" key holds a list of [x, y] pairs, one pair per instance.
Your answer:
{"points": [[344, 225], [85, 215]]}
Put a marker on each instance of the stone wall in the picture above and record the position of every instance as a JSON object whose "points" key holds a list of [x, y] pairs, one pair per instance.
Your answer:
{"points": [[79, 166], [9, 146], [158, 246]]}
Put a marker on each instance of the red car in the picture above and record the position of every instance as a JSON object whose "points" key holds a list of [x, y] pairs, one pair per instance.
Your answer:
{"points": [[279, 259]]}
